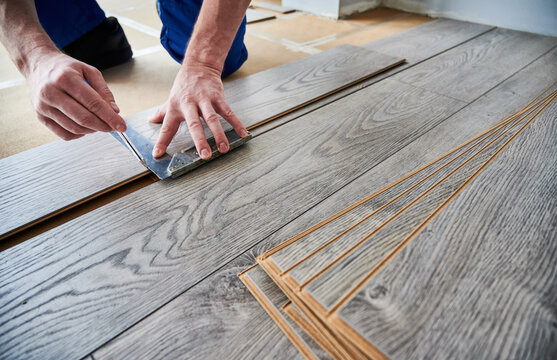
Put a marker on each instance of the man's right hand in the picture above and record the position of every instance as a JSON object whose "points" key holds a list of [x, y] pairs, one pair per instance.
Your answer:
{"points": [[71, 98]]}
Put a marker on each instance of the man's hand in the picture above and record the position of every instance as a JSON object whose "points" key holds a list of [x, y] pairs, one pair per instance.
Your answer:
{"points": [[197, 91], [71, 98]]}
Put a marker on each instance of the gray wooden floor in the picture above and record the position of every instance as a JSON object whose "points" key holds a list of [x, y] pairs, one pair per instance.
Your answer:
{"points": [[154, 274]]}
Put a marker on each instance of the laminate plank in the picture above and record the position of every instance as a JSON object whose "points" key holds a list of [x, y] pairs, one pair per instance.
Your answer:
{"points": [[505, 99], [271, 298], [434, 37], [50, 178], [266, 95], [334, 283], [490, 254], [470, 70], [331, 238], [254, 16], [61, 190], [90, 279]]}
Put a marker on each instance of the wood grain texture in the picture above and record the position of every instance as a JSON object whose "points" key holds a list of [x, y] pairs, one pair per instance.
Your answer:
{"points": [[42, 181], [92, 278], [331, 286], [148, 336], [479, 281], [328, 240], [264, 96], [422, 42], [486, 60]]}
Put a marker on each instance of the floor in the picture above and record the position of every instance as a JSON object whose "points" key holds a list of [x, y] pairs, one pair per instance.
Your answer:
{"points": [[154, 274], [145, 82]]}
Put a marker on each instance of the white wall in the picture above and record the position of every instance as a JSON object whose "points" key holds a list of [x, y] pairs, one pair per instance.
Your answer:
{"points": [[537, 16]]}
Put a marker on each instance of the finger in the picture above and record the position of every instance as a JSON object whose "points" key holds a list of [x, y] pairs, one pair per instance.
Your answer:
{"points": [[213, 122], [196, 131], [158, 116], [65, 122], [75, 111], [94, 103], [57, 129], [170, 126], [95, 79], [226, 112]]}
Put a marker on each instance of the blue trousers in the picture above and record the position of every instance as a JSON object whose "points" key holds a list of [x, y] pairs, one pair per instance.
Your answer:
{"points": [[67, 20]]}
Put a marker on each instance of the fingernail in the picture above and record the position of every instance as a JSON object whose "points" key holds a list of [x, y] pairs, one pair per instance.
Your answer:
{"points": [[223, 147], [205, 154], [121, 127], [157, 151], [115, 107], [243, 133]]}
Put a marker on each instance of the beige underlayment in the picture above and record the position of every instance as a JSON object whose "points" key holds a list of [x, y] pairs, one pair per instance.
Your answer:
{"points": [[146, 81]]}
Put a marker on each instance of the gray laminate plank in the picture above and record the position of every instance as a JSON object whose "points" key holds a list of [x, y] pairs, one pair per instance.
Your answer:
{"points": [[434, 37], [148, 336], [479, 281], [470, 70], [60, 191], [90, 279], [266, 95], [333, 237], [54, 176], [333, 284], [254, 16]]}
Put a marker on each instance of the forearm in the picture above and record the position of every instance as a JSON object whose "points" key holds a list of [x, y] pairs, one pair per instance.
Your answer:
{"points": [[22, 34], [214, 33]]}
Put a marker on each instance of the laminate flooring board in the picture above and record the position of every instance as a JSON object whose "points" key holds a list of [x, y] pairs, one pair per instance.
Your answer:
{"points": [[254, 16], [264, 96], [479, 281], [432, 38], [44, 180], [271, 298], [93, 277], [147, 336], [337, 281], [306, 257], [217, 319], [61, 190], [469, 70]]}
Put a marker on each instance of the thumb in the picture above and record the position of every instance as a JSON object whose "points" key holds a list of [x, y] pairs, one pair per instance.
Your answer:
{"points": [[96, 80]]}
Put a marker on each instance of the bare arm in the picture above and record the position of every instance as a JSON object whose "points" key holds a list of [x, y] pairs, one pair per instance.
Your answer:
{"points": [[62, 99], [198, 88]]}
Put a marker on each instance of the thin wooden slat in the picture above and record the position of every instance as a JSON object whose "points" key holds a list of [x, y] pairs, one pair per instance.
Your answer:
{"points": [[271, 299], [54, 177], [254, 16], [150, 335], [418, 43], [199, 222], [490, 254]]}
